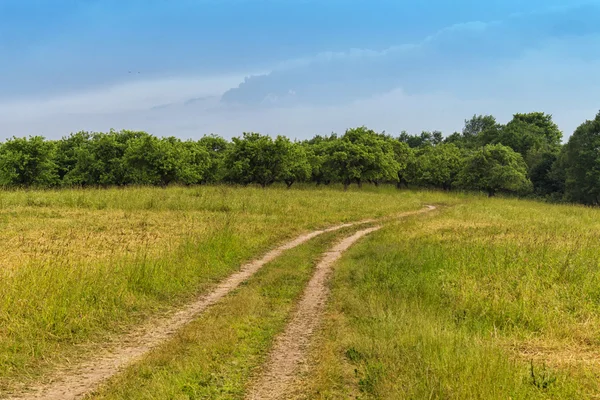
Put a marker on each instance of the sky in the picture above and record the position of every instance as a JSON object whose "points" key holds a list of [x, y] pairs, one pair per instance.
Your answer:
{"points": [[294, 67]]}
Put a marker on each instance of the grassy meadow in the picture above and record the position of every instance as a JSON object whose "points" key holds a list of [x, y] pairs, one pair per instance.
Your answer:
{"points": [[80, 266], [480, 299], [491, 299], [216, 355]]}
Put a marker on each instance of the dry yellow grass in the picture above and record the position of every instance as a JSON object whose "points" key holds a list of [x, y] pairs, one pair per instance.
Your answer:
{"points": [[78, 266]]}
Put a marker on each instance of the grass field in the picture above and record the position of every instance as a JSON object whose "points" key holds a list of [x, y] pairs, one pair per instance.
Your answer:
{"points": [[484, 298], [214, 357], [79, 266], [493, 299]]}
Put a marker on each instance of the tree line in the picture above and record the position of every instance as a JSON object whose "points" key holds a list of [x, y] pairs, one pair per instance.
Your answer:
{"points": [[525, 157]]}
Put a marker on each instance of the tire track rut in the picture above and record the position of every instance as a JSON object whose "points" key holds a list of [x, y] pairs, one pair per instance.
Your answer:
{"points": [[83, 378], [290, 349]]}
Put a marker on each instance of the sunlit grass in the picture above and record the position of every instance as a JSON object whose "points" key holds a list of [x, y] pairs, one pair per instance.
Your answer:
{"points": [[216, 356], [78, 266], [493, 299]]}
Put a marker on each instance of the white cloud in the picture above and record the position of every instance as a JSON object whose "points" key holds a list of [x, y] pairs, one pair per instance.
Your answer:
{"points": [[427, 65], [129, 96], [466, 69]]}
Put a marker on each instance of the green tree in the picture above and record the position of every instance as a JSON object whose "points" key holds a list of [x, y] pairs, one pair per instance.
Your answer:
{"points": [[582, 164], [528, 134], [424, 139], [437, 137], [437, 166], [196, 163], [100, 160], [494, 168], [295, 165], [68, 153], [538, 139], [546, 174], [27, 162], [152, 161], [552, 135], [141, 160], [456, 139], [478, 131], [106, 165], [403, 155], [216, 147], [363, 155], [255, 158], [558, 176], [318, 150]]}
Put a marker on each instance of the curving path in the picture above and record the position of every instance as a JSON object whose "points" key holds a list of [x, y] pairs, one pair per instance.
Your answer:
{"points": [[82, 379], [290, 350]]}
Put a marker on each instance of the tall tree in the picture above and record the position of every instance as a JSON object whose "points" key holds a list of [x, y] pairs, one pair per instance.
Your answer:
{"points": [[552, 135], [438, 166], [256, 158], [152, 161], [318, 150], [101, 163], [28, 162], [363, 155], [68, 153], [479, 131], [426, 138], [582, 164], [538, 139], [295, 165], [217, 148], [403, 155], [493, 168]]}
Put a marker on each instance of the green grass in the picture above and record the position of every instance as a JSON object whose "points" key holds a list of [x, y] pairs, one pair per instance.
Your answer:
{"points": [[215, 356], [492, 299], [484, 298], [80, 266]]}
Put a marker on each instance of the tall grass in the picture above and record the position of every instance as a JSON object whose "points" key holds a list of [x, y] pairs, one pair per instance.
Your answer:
{"points": [[78, 266], [216, 356], [493, 299]]}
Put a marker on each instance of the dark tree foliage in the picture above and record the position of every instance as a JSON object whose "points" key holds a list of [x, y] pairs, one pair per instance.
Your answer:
{"points": [[424, 139], [582, 164], [318, 150], [152, 161], [68, 152], [495, 168], [403, 155], [216, 147], [27, 162], [362, 155], [478, 131], [437, 166], [256, 158], [524, 156]]}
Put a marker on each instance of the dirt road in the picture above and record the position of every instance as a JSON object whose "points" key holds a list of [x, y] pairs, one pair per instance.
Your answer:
{"points": [[83, 378], [291, 348]]}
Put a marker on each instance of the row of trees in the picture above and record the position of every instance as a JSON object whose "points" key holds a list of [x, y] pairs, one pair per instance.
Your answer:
{"points": [[524, 156]]}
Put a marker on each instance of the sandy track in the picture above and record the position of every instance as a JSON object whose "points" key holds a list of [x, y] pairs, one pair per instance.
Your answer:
{"points": [[290, 350], [82, 379]]}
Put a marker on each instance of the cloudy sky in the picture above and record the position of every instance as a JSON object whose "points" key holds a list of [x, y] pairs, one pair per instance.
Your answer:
{"points": [[293, 67]]}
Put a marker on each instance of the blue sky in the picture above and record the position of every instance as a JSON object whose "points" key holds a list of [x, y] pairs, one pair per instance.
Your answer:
{"points": [[294, 67]]}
